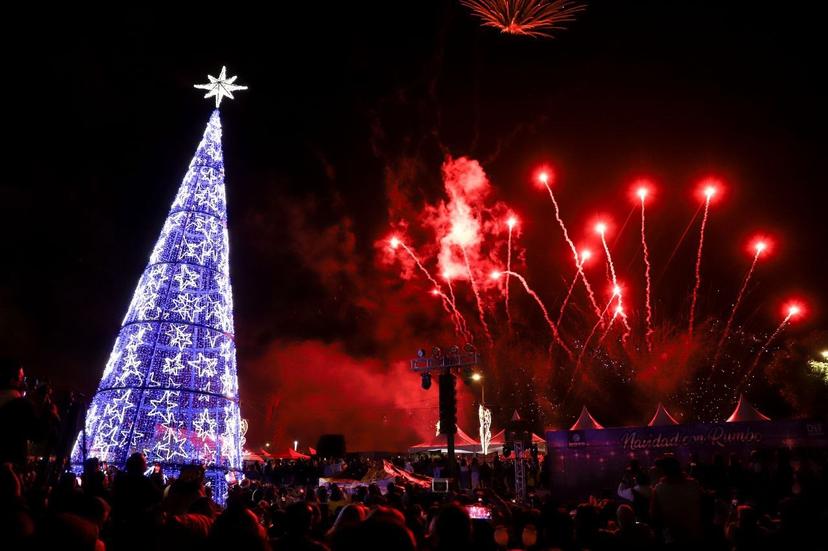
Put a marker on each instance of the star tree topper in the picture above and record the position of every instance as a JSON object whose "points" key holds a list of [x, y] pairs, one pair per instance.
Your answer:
{"points": [[221, 86]]}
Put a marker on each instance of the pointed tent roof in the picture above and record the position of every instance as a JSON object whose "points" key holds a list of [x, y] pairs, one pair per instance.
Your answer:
{"points": [[290, 453], [746, 412], [499, 439], [248, 455], [662, 417], [462, 442], [586, 421]]}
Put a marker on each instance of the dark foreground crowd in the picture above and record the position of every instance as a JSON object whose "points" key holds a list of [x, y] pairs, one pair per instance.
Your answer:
{"points": [[776, 500]]}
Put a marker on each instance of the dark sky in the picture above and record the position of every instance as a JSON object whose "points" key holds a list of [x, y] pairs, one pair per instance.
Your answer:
{"points": [[104, 121]]}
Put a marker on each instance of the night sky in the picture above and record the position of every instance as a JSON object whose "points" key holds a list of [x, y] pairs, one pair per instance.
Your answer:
{"points": [[347, 107]]}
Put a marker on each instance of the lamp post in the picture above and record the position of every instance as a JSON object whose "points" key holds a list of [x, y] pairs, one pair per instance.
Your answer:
{"points": [[446, 365], [478, 378]]}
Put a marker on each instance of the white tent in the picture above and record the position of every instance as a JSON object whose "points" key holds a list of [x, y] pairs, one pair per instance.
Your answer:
{"points": [[249, 455], [662, 418], [499, 440], [746, 412], [463, 443], [586, 421]]}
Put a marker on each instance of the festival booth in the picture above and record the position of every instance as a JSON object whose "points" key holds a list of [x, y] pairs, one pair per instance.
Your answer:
{"points": [[463, 443], [380, 474], [590, 458]]}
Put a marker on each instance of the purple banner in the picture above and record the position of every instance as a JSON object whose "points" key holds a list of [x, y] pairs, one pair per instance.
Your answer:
{"points": [[584, 462]]}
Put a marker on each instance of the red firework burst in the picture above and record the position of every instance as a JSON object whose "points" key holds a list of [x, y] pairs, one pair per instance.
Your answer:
{"points": [[525, 17]]}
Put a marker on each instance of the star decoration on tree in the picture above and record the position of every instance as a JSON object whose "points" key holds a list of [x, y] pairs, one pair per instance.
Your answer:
{"points": [[116, 410], [200, 251], [207, 389], [136, 436], [187, 306], [164, 407], [186, 278], [129, 369], [205, 425], [221, 86], [179, 336], [204, 365], [173, 365], [227, 383], [213, 338], [170, 445]]}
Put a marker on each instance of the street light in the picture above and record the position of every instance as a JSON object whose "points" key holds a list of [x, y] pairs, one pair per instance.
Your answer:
{"points": [[478, 378]]}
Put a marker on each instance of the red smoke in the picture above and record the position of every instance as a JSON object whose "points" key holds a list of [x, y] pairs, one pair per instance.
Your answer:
{"points": [[318, 388]]}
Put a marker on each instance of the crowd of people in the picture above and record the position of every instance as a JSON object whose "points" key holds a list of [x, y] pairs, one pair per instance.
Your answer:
{"points": [[773, 500]]}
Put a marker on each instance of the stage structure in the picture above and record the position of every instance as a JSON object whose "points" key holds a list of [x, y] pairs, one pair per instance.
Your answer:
{"points": [[170, 388]]}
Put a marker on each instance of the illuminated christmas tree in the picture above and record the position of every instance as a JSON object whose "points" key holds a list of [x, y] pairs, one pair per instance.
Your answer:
{"points": [[170, 388]]}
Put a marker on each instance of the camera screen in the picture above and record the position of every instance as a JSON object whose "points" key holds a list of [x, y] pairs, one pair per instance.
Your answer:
{"points": [[479, 512]]}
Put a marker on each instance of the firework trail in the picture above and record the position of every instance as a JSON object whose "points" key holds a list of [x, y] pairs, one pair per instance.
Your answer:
{"points": [[601, 228], [552, 327], [708, 194], [511, 223], [586, 344], [544, 178], [447, 277], [566, 298], [678, 245], [618, 312], [461, 320], [535, 18], [792, 311], [726, 332], [620, 232], [642, 193], [476, 291], [448, 304]]}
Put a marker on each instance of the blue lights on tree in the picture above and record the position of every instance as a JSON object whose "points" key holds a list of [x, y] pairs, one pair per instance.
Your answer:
{"points": [[170, 388]]}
